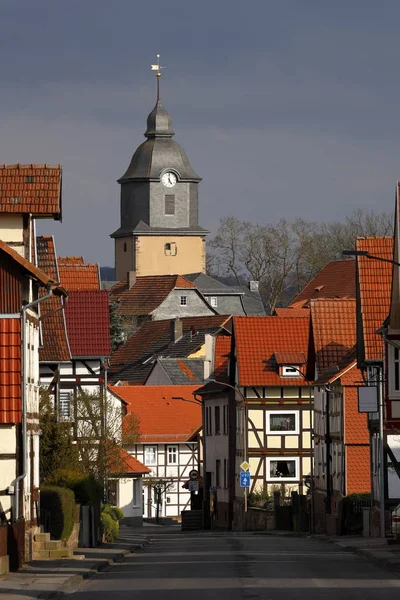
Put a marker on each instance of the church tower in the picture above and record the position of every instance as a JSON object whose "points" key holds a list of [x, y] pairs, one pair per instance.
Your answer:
{"points": [[159, 232]]}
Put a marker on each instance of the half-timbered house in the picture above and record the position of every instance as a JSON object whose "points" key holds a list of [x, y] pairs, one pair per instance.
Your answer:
{"points": [[20, 282], [341, 439], [274, 370], [170, 421]]}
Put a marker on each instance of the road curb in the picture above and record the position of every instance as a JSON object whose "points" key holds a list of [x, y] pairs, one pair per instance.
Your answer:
{"points": [[391, 564], [75, 580]]}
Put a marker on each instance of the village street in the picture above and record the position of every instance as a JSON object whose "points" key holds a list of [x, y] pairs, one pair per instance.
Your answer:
{"points": [[194, 566]]}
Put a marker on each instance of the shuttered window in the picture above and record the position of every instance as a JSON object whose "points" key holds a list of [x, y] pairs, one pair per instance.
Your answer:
{"points": [[170, 204]]}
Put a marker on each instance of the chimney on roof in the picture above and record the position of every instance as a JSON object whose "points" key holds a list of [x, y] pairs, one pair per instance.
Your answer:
{"points": [[253, 286], [131, 279], [176, 330]]}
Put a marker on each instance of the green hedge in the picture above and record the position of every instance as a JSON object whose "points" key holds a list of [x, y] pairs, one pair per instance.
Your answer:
{"points": [[86, 488], [110, 527], [60, 502], [115, 513]]}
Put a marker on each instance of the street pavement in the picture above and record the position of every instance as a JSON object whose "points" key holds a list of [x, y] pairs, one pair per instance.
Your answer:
{"points": [[198, 565]]}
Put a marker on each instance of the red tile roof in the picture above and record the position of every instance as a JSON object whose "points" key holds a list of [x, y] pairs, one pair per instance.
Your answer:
{"points": [[70, 260], [55, 346], [334, 330], [154, 335], [336, 280], [222, 353], [128, 464], [358, 478], [147, 293], [292, 312], [355, 423], [78, 275], [88, 324], [375, 282], [162, 419], [38, 274], [10, 371], [290, 358], [34, 189], [257, 340]]}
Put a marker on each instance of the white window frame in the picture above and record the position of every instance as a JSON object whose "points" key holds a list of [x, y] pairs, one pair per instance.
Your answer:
{"points": [[285, 372], [65, 399], [137, 493], [282, 458], [394, 363], [184, 300], [270, 431], [172, 450], [214, 301], [145, 456]]}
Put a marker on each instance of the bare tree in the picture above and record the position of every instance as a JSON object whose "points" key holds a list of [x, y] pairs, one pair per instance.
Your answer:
{"points": [[284, 257], [101, 430], [158, 487]]}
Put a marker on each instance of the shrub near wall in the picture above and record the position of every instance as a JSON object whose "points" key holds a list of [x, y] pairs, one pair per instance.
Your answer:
{"points": [[60, 503], [86, 488]]}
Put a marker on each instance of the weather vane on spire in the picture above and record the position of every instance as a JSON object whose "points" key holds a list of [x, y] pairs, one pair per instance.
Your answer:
{"points": [[158, 68]]}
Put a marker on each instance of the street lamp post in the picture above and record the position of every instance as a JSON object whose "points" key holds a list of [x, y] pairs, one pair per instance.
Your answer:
{"points": [[366, 254]]}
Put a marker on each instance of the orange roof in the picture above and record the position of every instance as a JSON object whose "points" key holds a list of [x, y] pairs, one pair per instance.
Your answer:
{"points": [[147, 293], [55, 346], [257, 339], [10, 371], [358, 477], [129, 464], [292, 312], [162, 419], [78, 276], [70, 260], [334, 329], [222, 353], [355, 423], [336, 280], [34, 189], [38, 274], [375, 282]]}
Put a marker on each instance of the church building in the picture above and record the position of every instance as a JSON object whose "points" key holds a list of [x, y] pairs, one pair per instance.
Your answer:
{"points": [[159, 233]]}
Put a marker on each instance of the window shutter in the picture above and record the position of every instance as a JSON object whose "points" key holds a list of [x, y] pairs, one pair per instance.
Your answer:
{"points": [[170, 204]]}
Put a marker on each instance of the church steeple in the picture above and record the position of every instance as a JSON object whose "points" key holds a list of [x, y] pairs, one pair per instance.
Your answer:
{"points": [[159, 231], [159, 123]]}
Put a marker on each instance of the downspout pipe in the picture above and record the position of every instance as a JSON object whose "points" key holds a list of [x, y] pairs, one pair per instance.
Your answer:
{"points": [[24, 371]]}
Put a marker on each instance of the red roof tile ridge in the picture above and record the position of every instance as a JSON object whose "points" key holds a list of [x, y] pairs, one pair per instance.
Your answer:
{"points": [[26, 264], [374, 237], [30, 166]]}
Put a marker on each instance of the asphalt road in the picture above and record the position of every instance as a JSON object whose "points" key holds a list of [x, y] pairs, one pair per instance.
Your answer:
{"points": [[196, 566]]}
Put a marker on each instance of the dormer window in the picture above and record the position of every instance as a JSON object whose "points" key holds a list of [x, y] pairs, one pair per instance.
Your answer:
{"points": [[290, 371]]}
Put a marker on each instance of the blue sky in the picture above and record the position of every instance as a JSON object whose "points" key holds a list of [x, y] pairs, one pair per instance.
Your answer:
{"points": [[285, 108]]}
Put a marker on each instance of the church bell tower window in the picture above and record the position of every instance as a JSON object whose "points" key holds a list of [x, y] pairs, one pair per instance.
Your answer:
{"points": [[170, 204], [170, 249]]}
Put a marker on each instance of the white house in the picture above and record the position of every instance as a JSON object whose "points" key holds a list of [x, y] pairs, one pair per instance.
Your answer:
{"points": [[170, 420]]}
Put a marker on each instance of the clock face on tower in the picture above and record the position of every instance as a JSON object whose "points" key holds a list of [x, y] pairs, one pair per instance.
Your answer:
{"points": [[169, 179]]}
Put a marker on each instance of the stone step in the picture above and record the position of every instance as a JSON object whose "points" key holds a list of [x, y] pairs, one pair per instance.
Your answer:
{"points": [[50, 545], [54, 554], [61, 553], [42, 537]]}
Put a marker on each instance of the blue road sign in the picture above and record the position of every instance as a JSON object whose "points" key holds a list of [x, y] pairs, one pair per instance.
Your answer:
{"points": [[245, 479]]}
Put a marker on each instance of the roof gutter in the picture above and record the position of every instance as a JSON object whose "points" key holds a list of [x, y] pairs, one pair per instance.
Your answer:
{"points": [[24, 396]]}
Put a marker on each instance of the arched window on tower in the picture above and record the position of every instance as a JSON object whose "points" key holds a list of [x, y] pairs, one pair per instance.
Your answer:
{"points": [[125, 247]]}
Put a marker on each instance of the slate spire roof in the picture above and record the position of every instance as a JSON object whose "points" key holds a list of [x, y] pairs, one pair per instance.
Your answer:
{"points": [[159, 123]]}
